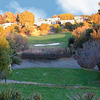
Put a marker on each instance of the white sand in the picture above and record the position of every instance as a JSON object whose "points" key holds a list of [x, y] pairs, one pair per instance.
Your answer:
{"points": [[41, 45]]}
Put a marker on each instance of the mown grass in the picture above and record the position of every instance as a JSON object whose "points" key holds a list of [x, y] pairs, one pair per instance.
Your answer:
{"points": [[48, 93], [76, 77], [61, 38]]}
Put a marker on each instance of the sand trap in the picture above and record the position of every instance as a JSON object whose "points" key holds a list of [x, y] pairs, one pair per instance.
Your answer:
{"points": [[41, 45]]}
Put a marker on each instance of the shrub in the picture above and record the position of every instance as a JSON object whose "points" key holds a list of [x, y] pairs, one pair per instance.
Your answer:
{"points": [[84, 96], [69, 26], [80, 36], [81, 24], [17, 43], [13, 94], [89, 31], [71, 40], [16, 58], [89, 55], [37, 96], [57, 28]]}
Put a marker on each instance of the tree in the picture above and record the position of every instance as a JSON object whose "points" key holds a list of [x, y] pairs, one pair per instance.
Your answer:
{"points": [[66, 16], [9, 17], [44, 27], [69, 26], [5, 59], [96, 18], [13, 29], [55, 16], [1, 19], [2, 31], [57, 28], [26, 17]]}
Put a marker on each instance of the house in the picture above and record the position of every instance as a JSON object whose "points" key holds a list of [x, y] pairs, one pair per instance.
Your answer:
{"points": [[53, 20], [5, 25], [78, 19], [65, 21]]}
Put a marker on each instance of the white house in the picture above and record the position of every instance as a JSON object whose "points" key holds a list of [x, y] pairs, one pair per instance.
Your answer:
{"points": [[38, 23], [65, 21], [78, 19], [6, 25], [53, 20]]}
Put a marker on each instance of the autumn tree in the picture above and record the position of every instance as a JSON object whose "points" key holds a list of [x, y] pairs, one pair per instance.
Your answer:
{"points": [[16, 14], [2, 31], [5, 59], [44, 27], [1, 19], [26, 17], [13, 29], [55, 16], [57, 28], [9, 17], [66, 16], [96, 18]]}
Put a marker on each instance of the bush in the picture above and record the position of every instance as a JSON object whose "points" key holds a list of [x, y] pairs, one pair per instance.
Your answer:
{"points": [[57, 28], [16, 58], [69, 26], [13, 94], [80, 36], [84, 96], [37, 96], [89, 55], [89, 31], [71, 40], [17, 43]]}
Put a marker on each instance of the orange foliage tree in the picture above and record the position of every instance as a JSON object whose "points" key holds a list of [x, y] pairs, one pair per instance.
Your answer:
{"points": [[44, 27], [80, 32], [26, 17], [13, 29], [2, 31], [9, 17], [1, 19], [66, 16], [55, 16], [96, 18]]}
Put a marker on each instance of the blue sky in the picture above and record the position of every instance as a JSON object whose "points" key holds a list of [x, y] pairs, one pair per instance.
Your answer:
{"points": [[48, 8]]}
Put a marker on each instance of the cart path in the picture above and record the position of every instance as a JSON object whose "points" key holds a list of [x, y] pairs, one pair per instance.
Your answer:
{"points": [[42, 84]]}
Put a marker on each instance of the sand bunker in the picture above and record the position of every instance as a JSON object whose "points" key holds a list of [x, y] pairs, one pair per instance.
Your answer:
{"points": [[41, 45]]}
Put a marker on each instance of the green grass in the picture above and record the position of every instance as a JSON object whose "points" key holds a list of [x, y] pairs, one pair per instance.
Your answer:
{"points": [[53, 38], [74, 77], [48, 93]]}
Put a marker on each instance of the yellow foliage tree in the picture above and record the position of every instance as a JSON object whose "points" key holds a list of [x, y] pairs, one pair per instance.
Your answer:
{"points": [[13, 29], [55, 16], [66, 16], [96, 18], [1, 19], [56, 25], [9, 17], [26, 17], [44, 27], [2, 31]]}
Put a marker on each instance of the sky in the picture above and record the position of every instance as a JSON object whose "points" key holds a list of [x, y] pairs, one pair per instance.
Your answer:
{"points": [[48, 8]]}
